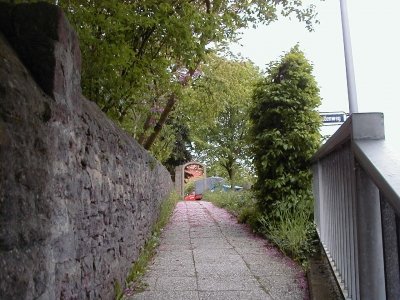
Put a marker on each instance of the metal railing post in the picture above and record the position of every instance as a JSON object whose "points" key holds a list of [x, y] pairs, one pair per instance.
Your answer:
{"points": [[369, 236], [391, 251], [370, 261]]}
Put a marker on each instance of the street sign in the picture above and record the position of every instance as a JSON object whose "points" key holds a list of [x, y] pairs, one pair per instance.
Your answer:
{"points": [[333, 117]]}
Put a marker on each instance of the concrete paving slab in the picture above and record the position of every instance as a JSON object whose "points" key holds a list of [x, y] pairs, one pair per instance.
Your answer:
{"points": [[264, 265], [167, 254], [176, 232], [166, 295], [214, 252], [235, 295], [175, 247], [210, 243], [185, 242], [166, 262], [178, 228], [205, 254], [210, 233], [235, 234], [228, 283], [176, 284], [283, 287], [263, 257], [246, 245], [176, 235], [216, 259], [251, 250], [174, 271], [269, 270], [226, 269]]}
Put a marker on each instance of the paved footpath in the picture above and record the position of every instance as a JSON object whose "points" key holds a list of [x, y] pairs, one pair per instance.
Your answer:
{"points": [[205, 254]]}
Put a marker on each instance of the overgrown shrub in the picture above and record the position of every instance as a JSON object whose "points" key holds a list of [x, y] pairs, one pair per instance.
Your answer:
{"points": [[285, 131], [284, 136]]}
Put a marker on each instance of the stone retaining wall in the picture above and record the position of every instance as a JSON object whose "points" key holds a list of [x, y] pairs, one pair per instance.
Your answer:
{"points": [[78, 196]]}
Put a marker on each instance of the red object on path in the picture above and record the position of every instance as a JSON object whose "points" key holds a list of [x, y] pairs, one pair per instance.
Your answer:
{"points": [[193, 197]]}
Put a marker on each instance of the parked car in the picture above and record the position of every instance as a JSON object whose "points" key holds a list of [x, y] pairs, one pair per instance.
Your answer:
{"points": [[208, 184], [227, 187]]}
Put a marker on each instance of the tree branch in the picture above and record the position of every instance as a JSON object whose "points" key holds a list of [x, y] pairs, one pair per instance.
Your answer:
{"points": [[163, 118]]}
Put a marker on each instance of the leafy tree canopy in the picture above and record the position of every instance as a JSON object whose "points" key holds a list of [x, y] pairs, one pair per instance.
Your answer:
{"points": [[136, 54], [140, 56], [216, 108]]}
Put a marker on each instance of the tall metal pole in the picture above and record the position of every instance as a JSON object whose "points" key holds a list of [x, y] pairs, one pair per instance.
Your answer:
{"points": [[351, 82]]}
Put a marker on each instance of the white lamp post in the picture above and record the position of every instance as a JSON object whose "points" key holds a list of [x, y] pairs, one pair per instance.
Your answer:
{"points": [[351, 83]]}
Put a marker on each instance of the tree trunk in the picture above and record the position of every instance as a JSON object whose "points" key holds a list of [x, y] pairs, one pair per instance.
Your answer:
{"points": [[163, 118], [229, 167], [145, 127]]}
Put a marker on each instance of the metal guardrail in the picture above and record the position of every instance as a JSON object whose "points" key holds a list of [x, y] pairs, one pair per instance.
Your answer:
{"points": [[357, 207]]}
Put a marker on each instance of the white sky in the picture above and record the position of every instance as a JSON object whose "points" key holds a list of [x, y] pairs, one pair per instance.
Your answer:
{"points": [[375, 37]]}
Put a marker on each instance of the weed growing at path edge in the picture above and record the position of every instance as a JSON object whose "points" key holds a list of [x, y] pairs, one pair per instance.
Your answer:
{"points": [[241, 204]]}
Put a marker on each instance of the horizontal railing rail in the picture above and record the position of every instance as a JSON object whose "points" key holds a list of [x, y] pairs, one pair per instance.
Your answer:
{"points": [[357, 204], [382, 164]]}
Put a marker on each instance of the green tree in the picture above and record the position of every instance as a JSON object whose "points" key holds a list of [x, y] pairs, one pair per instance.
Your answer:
{"points": [[217, 107], [285, 132], [139, 55]]}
